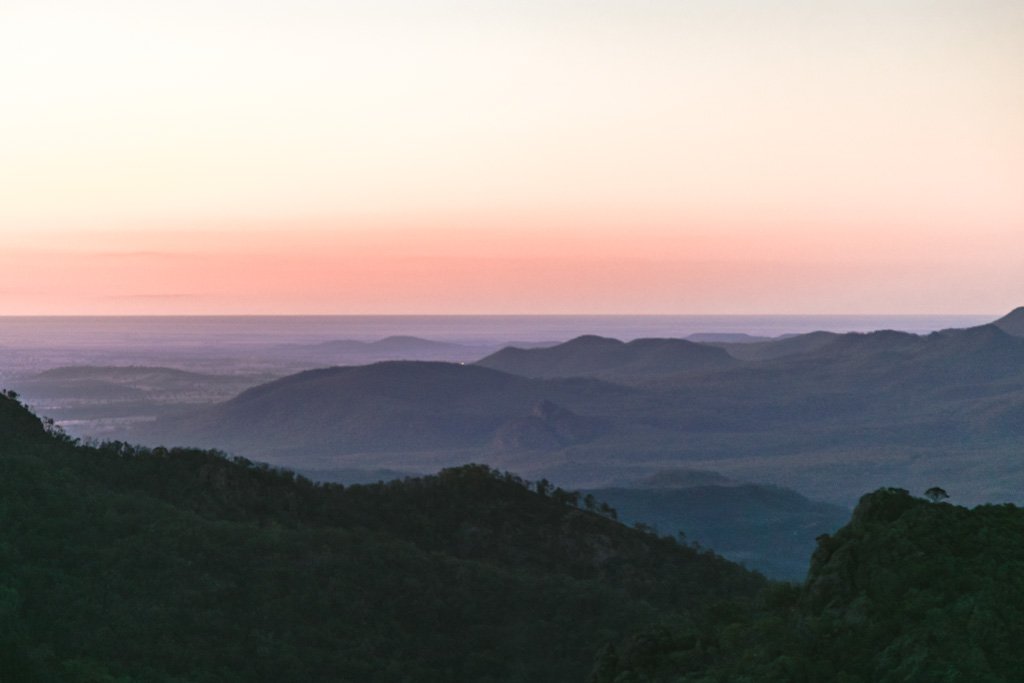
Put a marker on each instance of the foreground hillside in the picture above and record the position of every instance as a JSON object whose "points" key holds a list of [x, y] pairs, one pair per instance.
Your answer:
{"points": [[908, 591], [133, 565], [124, 564]]}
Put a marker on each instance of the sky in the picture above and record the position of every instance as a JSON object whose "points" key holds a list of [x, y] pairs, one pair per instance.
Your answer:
{"points": [[535, 156]]}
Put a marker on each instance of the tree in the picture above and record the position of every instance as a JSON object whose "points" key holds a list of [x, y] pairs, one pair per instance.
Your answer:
{"points": [[935, 494]]}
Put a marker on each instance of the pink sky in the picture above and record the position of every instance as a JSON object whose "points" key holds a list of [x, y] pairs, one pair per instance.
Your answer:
{"points": [[533, 157]]}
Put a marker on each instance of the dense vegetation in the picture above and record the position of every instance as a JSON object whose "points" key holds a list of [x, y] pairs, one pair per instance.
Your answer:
{"points": [[121, 564], [126, 564], [909, 591]]}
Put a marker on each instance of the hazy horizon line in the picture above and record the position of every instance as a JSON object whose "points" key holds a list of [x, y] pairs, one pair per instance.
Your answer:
{"points": [[499, 315]]}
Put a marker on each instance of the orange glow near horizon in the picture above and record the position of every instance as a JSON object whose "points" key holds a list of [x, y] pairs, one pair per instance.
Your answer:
{"points": [[542, 156], [463, 270]]}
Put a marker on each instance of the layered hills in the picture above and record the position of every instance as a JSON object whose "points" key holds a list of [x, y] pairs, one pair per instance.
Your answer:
{"points": [[398, 406], [827, 414], [124, 563]]}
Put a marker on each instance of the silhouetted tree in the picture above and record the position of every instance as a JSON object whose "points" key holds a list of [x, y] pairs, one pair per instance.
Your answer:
{"points": [[608, 511]]}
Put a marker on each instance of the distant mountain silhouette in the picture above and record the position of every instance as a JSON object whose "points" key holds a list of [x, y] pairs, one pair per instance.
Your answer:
{"points": [[972, 354], [593, 356], [983, 353], [1012, 322], [777, 348], [844, 414], [394, 405]]}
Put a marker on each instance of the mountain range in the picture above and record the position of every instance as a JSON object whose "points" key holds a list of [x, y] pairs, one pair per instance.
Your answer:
{"points": [[123, 563], [611, 359], [827, 414], [171, 565]]}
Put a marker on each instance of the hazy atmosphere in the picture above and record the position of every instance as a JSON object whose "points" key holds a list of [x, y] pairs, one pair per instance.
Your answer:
{"points": [[480, 341], [556, 156]]}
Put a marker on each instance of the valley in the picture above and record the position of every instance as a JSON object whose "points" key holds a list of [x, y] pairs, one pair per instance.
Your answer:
{"points": [[796, 426]]}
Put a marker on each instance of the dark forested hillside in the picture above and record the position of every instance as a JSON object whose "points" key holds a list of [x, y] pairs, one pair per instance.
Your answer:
{"points": [[127, 564], [121, 564], [910, 591]]}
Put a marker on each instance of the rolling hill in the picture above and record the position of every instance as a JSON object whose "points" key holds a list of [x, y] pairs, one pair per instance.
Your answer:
{"points": [[124, 563], [168, 565], [1012, 322], [398, 406], [611, 359], [847, 413]]}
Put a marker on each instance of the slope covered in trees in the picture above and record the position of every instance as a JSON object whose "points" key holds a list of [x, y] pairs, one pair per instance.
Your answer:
{"points": [[128, 564], [909, 591]]}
